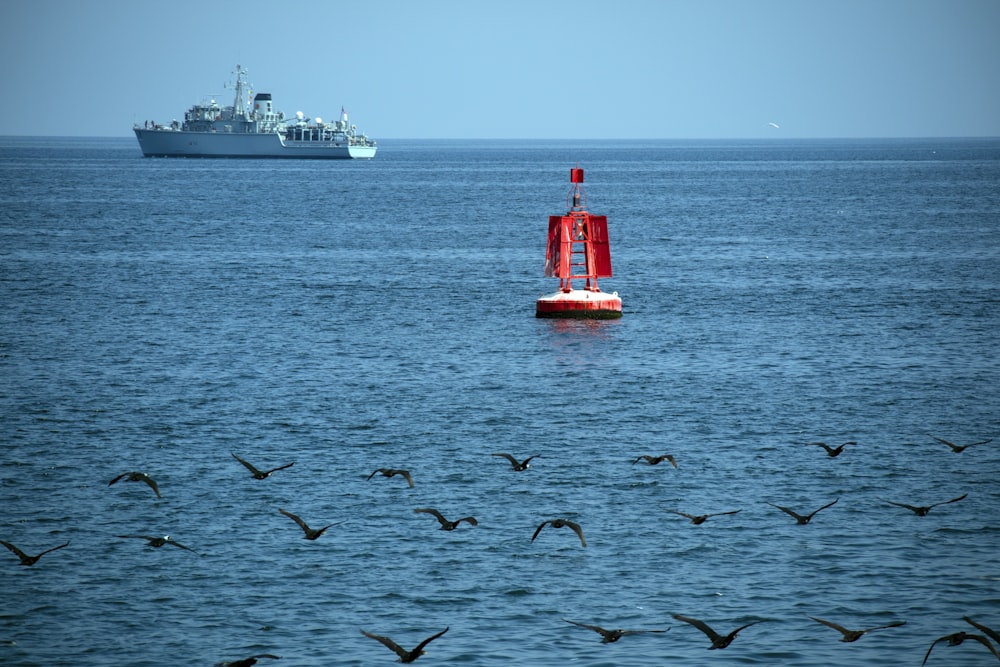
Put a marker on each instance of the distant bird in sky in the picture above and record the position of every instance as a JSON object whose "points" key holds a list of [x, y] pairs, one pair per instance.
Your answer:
{"points": [[392, 472], [854, 635], [957, 638], [25, 558], [445, 524], [248, 662], [514, 463], [960, 448], [404, 655], [654, 460], [261, 474], [310, 533], [698, 519], [158, 542], [800, 519], [560, 523], [608, 636], [137, 477], [718, 641], [923, 510], [774, 125], [832, 451]]}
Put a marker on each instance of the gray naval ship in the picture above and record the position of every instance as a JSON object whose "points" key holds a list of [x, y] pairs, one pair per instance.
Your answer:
{"points": [[256, 130]]}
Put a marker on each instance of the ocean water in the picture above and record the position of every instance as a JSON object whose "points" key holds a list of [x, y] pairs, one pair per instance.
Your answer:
{"points": [[160, 315]]}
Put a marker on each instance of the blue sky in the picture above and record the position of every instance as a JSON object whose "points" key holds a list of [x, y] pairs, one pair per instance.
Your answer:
{"points": [[514, 68]]}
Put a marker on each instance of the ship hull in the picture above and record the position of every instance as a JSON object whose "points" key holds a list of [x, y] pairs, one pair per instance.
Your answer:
{"points": [[179, 143]]}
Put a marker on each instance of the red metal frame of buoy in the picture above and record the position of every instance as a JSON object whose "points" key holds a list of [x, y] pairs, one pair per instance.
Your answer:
{"points": [[578, 249]]}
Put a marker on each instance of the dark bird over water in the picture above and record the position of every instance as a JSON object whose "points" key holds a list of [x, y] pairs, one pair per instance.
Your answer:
{"points": [[854, 635], [718, 641], [160, 541], [137, 477], [994, 635], [559, 523], [957, 638], [698, 519], [654, 460], [404, 655], [608, 636], [391, 472], [25, 558], [445, 524], [922, 511], [960, 448], [310, 533], [514, 463], [248, 662], [803, 519], [261, 474], [832, 451]]}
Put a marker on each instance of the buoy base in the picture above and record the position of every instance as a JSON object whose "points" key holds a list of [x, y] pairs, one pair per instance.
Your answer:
{"points": [[580, 304]]}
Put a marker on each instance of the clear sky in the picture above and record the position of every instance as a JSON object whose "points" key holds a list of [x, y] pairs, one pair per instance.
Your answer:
{"points": [[584, 69]]}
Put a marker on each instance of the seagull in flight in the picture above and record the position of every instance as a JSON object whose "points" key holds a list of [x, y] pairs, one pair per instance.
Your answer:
{"points": [[404, 655], [137, 477], [801, 520], [248, 662], [718, 641], [561, 523], [698, 519], [392, 472], [25, 558], [957, 638], [514, 463], [261, 474], [608, 636], [445, 524], [310, 533], [832, 451], [854, 635], [160, 541], [654, 460], [922, 511], [960, 448]]}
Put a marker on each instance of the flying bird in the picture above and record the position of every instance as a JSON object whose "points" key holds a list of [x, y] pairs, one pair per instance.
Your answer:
{"points": [[698, 519], [960, 448], [994, 635], [404, 655], [310, 533], [608, 636], [653, 460], [514, 463], [775, 125], [957, 638], [832, 451], [248, 662], [160, 541], [445, 524], [854, 635], [137, 477], [718, 641], [391, 472], [923, 510], [801, 520], [261, 474], [560, 523], [25, 558]]}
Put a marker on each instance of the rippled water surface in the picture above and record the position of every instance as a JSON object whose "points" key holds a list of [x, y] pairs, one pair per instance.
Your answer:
{"points": [[159, 315]]}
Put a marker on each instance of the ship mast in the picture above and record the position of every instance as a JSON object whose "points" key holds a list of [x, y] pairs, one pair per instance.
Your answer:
{"points": [[239, 106]]}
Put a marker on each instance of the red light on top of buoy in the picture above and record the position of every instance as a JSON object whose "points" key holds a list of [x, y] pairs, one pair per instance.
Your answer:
{"points": [[576, 175]]}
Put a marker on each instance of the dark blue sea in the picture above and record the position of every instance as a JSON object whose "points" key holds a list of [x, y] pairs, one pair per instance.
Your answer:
{"points": [[160, 315]]}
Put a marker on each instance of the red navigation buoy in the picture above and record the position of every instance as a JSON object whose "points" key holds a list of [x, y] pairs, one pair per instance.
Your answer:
{"points": [[578, 250]]}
